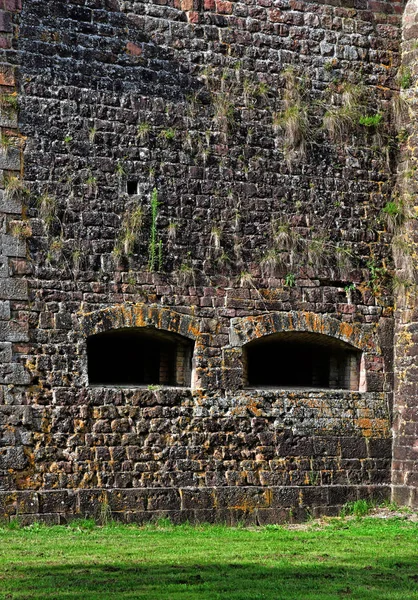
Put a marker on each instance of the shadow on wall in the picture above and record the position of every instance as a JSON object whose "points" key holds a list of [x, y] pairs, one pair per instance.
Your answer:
{"points": [[125, 59]]}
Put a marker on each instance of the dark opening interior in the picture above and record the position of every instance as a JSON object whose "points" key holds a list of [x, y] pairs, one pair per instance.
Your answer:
{"points": [[300, 359], [132, 187], [139, 357]]}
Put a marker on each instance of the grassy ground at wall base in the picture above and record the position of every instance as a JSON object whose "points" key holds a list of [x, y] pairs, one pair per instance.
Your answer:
{"points": [[373, 558]]}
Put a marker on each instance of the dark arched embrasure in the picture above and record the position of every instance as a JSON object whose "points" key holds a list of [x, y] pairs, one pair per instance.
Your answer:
{"points": [[139, 356], [301, 359]]}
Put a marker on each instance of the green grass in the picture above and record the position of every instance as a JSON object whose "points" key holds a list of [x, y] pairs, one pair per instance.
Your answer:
{"points": [[373, 559]]}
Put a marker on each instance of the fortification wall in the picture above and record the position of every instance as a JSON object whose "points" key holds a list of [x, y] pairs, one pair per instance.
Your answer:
{"points": [[405, 447], [270, 219]]}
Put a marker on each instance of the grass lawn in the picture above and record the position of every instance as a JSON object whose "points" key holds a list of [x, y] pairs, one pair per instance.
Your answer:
{"points": [[369, 558]]}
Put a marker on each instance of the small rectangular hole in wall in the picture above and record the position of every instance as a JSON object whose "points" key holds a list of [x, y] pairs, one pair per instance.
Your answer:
{"points": [[132, 187]]}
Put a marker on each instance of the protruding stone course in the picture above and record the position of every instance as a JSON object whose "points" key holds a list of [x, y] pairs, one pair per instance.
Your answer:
{"points": [[231, 505]]}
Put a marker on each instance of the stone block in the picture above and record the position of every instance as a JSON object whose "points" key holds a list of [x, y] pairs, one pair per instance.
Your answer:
{"points": [[353, 447], [10, 205], [127, 500], [339, 495], [5, 21], [27, 503], [198, 499], [5, 352], [164, 499], [13, 246], [60, 501], [379, 448], [242, 498], [402, 495], [88, 502], [13, 458], [45, 519], [283, 497], [13, 289], [13, 331], [10, 160]]}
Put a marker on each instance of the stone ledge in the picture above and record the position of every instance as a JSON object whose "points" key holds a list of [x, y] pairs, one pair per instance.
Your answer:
{"points": [[257, 505]]}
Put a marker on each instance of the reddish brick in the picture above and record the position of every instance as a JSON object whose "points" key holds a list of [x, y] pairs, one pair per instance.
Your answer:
{"points": [[224, 7], [186, 4], [275, 15], [193, 16], [5, 21], [7, 77], [5, 42], [13, 5], [133, 49], [209, 4]]}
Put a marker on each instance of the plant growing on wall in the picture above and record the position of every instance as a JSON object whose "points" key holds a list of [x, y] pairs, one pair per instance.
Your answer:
{"points": [[341, 118], [293, 121], [143, 131], [224, 111], [376, 275], [215, 237], [396, 212], [403, 248], [14, 188], [172, 231], [343, 259], [155, 245], [76, 257], [186, 273], [290, 280], [168, 134], [120, 170], [47, 209], [20, 229], [269, 262], [404, 77], [371, 121], [92, 134], [130, 229], [91, 183], [7, 142], [9, 103], [55, 249], [339, 122], [318, 251]]}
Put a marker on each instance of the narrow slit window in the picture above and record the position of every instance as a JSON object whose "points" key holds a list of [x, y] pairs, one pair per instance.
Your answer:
{"points": [[139, 356], [132, 187], [301, 360]]}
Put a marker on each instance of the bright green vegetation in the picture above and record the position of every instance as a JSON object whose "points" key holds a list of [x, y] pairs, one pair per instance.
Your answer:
{"points": [[155, 257], [359, 558], [371, 120]]}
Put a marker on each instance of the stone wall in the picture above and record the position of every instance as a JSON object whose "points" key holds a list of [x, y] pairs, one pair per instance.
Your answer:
{"points": [[405, 448], [268, 216]]}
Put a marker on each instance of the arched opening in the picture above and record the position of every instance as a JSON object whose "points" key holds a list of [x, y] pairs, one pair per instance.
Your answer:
{"points": [[301, 359], [139, 356]]}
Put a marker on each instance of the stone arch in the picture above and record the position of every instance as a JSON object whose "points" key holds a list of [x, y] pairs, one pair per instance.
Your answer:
{"points": [[122, 316], [164, 356], [246, 329], [362, 337]]}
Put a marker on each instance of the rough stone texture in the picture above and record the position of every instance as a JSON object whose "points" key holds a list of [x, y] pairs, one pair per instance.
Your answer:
{"points": [[257, 237], [405, 443]]}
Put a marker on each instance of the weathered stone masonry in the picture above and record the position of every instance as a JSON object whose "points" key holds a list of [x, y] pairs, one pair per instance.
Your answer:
{"points": [[260, 230]]}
